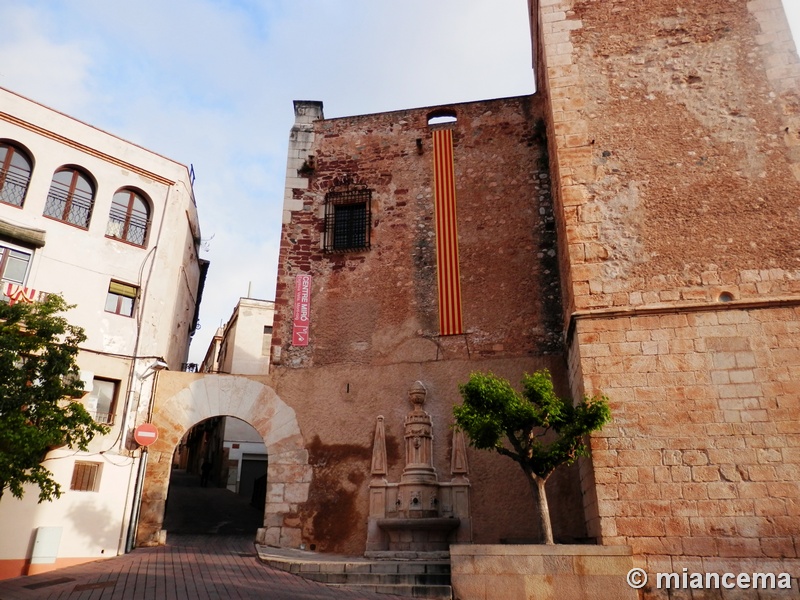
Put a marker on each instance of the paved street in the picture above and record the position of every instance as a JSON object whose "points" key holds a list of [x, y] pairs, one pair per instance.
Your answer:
{"points": [[193, 565], [196, 567]]}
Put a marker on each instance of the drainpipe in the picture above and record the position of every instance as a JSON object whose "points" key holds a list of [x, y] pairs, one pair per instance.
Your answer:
{"points": [[133, 525]]}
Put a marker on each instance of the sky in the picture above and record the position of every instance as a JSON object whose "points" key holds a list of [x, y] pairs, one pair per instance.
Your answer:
{"points": [[210, 83]]}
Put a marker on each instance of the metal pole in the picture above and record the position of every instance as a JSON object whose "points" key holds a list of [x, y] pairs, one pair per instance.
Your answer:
{"points": [[137, 503]]}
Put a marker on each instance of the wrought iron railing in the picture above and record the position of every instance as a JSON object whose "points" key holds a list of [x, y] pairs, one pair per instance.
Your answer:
{"points": [[136, 226], [75, 209], [14, 186]]}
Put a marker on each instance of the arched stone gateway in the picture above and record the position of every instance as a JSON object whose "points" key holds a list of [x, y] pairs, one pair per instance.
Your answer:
{"points": [[189, 400]]}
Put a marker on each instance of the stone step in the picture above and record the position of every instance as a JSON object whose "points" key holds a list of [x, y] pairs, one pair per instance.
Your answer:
{"points": [[410, 578], [379, 578], [435, 592]]}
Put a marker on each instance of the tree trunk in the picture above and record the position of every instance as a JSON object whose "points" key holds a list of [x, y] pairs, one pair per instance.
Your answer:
{"points": [[542, 511]]}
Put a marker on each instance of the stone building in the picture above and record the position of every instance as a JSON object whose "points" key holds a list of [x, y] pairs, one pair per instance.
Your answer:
{"points": [[375, 325], [631, 227], [113, 228], [673, 134]]}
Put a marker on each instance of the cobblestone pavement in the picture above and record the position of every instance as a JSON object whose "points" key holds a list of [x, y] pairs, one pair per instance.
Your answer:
{"points": [[196, 567]]}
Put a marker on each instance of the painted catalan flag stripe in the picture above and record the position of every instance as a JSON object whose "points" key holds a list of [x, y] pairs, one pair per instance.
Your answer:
{"points": [[449, 279]]}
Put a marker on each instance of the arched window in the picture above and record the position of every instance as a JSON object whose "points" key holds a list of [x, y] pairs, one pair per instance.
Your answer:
{"points": [[15, 174], [71, 197], [129, 218]]}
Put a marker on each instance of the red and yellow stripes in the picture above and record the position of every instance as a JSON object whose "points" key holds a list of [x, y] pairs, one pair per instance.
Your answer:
{"points": [[449, 279]]}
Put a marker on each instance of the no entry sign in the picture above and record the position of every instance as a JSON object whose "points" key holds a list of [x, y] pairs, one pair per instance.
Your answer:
{"points": [[145, 434]]}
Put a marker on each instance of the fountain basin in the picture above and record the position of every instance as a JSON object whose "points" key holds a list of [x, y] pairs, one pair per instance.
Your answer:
{"points": [[421, 534]]}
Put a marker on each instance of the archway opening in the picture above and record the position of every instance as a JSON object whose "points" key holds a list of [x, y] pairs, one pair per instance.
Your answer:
{"points": [[218, 480]]}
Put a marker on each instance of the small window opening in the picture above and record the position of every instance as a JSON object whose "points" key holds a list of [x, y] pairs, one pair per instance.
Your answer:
{"points": [[442, 117], [725, 297], [347, 220]]}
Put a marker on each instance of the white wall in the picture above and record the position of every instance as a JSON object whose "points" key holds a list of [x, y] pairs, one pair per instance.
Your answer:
{"points": [[80, 264]]}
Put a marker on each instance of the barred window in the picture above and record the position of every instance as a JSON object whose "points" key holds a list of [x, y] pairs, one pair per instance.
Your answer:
{"points": [[71, 197], [347, 220], [15, 174], [85, 476], [101, 400], [129, 218]]}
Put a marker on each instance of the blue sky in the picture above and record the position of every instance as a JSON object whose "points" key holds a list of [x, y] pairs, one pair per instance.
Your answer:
{"points": [[211, 83]]}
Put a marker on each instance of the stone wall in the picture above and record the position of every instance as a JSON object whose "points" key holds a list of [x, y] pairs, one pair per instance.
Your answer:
{"points": [[673, 133], [374, 313], [703, 457], [379, 306]]}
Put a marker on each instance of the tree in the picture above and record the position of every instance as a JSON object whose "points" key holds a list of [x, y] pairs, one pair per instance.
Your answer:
{"points": [[543, 430], [39, 384]]}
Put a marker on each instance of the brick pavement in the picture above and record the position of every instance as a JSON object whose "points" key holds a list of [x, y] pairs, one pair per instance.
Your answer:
{"points": [[192, 567]]}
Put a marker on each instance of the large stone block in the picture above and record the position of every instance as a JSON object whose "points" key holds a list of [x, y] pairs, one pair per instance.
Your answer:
{"points": [[521, 572]]}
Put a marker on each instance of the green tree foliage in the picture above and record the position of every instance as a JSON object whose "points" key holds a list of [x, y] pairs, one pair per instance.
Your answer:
{"points": [[536, 429], [39, 382]]}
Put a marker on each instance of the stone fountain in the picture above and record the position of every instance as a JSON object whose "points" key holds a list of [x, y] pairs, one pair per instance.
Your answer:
{"points": [[419, 517]]}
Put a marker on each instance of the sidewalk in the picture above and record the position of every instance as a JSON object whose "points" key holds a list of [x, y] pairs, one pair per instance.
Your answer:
{"points": [[191, 567]]}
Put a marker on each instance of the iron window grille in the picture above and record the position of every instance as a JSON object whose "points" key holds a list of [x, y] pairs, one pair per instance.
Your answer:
{"points": [[348, 219], [15, 174], [128, 218], [101, 401], [70, 198]]}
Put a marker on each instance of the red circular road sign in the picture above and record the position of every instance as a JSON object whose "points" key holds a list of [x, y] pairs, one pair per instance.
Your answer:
{"points": [[145, 434]]}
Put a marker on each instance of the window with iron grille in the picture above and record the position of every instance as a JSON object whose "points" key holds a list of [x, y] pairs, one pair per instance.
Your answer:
{"points": [[347, 220], [85, 476], [15, 174], [101, 400], [129, 218], [71, 197]]}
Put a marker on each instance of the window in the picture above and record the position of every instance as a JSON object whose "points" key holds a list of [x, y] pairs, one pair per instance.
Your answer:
{"points": [[121, 298], [85, 476], [71, 197], [129, 218], [13, 265], [15, 174], [347, 220], [101, 400], [13, 270]]}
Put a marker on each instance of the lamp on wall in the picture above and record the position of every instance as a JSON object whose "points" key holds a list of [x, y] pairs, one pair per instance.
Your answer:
{"points": [[159, 365]]}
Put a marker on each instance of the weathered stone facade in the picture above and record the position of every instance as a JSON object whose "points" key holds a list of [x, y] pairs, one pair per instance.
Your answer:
{"points": [[674, 136], [631, 227], [374, 313]]}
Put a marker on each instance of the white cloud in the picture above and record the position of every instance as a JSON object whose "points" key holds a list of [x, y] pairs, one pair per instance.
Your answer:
{"points": [[34, 63]]}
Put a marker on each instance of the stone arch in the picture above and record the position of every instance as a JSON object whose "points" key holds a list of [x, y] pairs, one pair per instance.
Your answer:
{"points": [[288, 473]]}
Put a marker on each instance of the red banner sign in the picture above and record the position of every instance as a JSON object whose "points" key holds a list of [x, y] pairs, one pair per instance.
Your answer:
{"points": [[302, 310]]}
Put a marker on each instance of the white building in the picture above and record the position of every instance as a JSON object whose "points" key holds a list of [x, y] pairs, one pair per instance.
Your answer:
{"points": [[242, 346], [113, 228]]}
